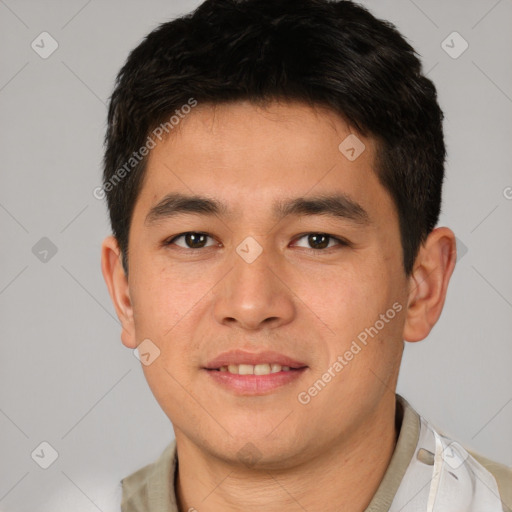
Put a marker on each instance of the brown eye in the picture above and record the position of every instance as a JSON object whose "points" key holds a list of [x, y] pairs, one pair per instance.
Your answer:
{"points": [[191, 240], [318, 241]]}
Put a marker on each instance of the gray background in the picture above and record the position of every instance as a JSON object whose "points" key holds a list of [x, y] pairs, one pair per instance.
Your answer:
{"points": [[65, 377]]}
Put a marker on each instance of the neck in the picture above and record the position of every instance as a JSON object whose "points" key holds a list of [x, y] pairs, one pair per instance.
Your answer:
{"points": [[345, 477]]}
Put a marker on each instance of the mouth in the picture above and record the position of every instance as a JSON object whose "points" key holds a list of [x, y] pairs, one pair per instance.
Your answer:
{"points": [[257, 369], [246, 373]]}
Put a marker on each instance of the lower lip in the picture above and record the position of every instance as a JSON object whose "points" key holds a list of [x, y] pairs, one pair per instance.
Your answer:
{"points": [[255, 384]]}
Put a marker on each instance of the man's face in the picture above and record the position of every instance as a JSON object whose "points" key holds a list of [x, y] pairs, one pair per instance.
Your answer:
{"points": [[261, 275]]}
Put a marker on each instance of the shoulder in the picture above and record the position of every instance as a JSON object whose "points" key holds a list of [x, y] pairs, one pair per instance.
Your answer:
{"points": [[135, 489], [501, 473], [472, 473], [503, 476], [149, 483]]}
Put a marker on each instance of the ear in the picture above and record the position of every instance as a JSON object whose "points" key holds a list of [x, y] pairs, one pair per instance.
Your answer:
{"points": [[117, 284], [428, 283]]}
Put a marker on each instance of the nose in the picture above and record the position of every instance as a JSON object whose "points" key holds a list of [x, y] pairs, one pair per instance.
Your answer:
{"points": [[254, 295]]}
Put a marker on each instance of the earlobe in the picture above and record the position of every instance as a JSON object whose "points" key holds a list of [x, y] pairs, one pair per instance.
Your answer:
{"points": [[117, 284], [429, 283]]}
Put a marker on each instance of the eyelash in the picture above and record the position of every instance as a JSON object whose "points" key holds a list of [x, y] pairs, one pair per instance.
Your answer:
{"points": [[340, 241]]}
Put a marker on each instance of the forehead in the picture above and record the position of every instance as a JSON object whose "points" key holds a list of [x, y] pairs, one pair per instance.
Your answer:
{"points": [[277, 129], [249, 156]]}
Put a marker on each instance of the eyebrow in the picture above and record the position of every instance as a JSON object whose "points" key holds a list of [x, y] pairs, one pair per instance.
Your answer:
{"points": [[338, 205]]}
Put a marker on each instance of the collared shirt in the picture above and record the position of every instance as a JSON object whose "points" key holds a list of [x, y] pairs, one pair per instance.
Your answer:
{"points": [[428, 472]]}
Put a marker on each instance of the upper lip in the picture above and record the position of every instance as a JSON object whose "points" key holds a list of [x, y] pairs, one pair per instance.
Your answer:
{"points": [[243, 357]]}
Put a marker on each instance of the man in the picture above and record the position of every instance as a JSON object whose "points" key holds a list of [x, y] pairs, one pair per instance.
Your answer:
{"points": [[273, 173]]}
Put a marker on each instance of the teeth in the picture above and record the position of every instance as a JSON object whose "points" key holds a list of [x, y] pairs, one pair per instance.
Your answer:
{"points": [[261, 369], [258, 369], [244, 369]]}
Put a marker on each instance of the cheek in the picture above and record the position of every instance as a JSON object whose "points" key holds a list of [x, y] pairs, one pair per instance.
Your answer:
{"points": [[349, 301], [162, 299], [166, 308], [363, 307]]}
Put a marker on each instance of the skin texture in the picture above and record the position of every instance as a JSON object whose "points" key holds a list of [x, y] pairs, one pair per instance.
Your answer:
{"points": [[298, 300]]}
